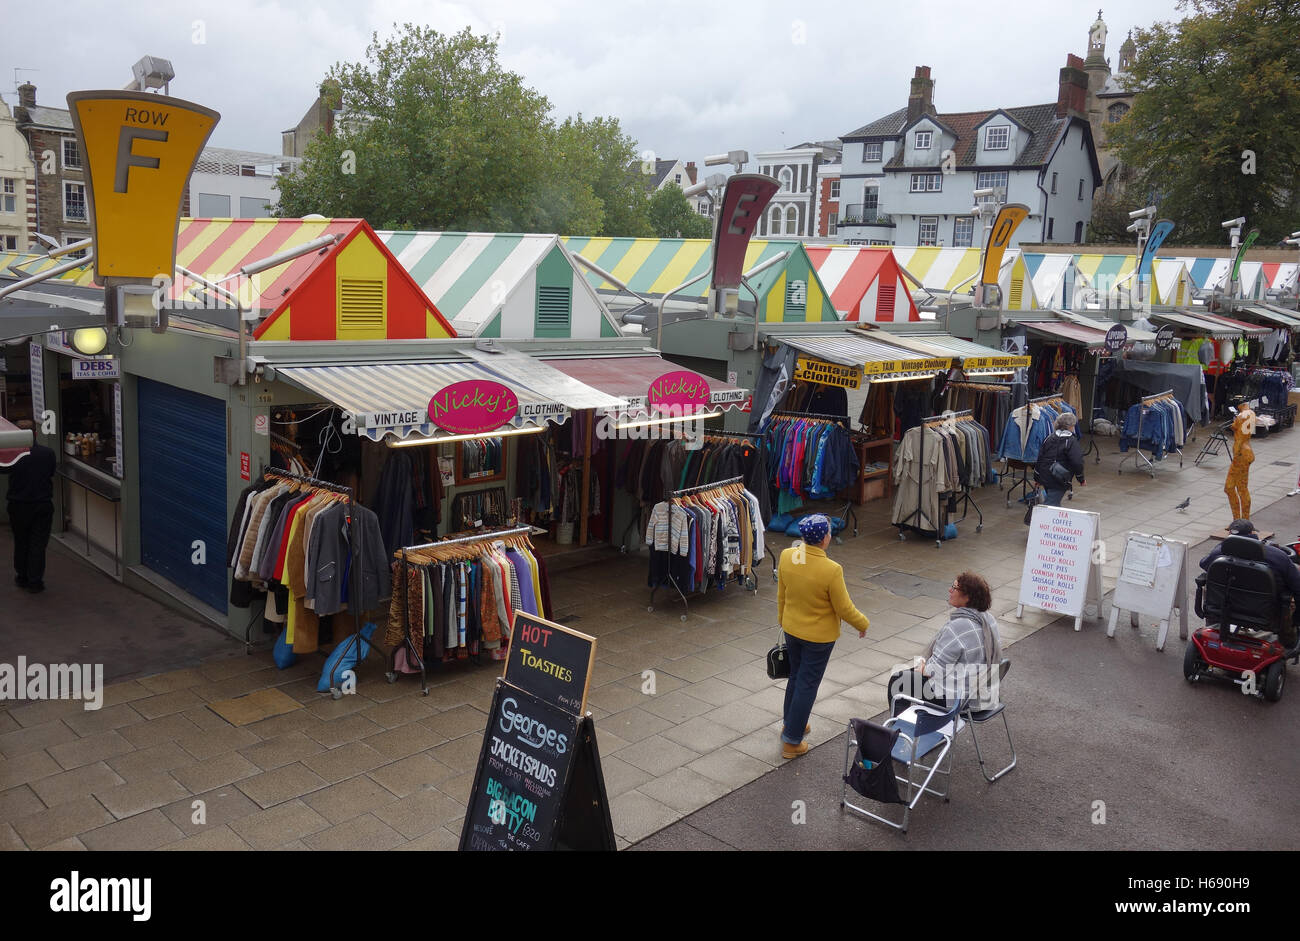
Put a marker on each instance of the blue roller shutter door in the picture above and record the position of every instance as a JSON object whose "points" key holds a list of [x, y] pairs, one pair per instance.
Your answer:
{"points": [[183, 488]]}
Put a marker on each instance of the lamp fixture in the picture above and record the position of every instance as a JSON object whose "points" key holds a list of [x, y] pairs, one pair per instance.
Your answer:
{"points": [[667, 421], [90, 341], [423, 441]]}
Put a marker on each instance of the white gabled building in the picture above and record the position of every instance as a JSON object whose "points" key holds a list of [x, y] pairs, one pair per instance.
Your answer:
{"points": [[909, 178], [793, 210]]}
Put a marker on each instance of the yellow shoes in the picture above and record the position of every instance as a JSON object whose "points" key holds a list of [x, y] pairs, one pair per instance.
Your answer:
{"points": [[793, 751]]}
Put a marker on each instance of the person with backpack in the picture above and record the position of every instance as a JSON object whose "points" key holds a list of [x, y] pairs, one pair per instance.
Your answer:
{"points": [[1060, 460]]}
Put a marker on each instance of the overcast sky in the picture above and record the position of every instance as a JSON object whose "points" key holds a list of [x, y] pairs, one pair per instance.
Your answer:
{"points": [[684, 79]]}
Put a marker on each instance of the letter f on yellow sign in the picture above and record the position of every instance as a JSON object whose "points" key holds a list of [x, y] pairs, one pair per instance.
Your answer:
{"points": [[140, 150]]}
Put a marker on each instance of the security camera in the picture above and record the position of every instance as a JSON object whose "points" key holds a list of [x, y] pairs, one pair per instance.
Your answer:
{"points": [[1233, 223], [1135, 227], [1295, 235], [1146, 213], [986, 191], [695, 189]]}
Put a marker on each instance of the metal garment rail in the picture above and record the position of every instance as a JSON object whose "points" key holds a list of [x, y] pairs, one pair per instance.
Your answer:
{"points": [[966, 499], [847, 510], [1023, 481], [354, 568], [750, 580], [391, 674], [1146, 402]]}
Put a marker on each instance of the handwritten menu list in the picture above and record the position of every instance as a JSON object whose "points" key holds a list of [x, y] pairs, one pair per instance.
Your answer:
{"points": [[1056, 561]]}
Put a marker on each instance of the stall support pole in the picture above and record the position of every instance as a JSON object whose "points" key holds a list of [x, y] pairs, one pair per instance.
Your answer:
{"points": [[585, 502]]}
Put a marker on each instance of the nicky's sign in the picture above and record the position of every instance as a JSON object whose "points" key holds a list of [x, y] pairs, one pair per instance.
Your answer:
{"points": [[473, 406], [679, 393]]}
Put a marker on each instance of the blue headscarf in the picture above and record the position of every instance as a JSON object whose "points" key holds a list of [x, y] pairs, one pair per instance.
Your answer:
{"points": [[814, 528]]}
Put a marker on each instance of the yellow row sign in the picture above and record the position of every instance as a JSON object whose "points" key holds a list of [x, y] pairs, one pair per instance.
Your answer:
{"points": [[828, 374], [140, 150]]}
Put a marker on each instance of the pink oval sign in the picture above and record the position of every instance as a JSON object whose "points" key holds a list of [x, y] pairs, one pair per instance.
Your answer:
{"points": [[473, 406], [679, 393]]}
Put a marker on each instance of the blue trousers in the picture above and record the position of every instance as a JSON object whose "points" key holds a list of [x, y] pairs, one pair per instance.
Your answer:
{"points": [[807, 666]]}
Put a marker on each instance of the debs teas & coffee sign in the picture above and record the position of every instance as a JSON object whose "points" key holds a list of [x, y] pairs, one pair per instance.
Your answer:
{"points": [[473, 406], [679, 393]]}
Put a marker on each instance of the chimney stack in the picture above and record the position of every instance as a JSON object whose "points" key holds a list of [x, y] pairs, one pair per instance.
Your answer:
{"points": [[1072, 97], [27, 95], [690, 171], [921, 98]]}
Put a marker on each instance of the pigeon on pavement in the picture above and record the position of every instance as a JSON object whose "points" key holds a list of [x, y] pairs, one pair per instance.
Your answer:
{"points": [[1182, 507]]}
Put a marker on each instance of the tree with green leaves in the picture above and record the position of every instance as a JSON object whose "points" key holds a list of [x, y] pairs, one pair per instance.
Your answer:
{"points": [[433, 134], [1214, 131], [1109, 223], [671, 215]]}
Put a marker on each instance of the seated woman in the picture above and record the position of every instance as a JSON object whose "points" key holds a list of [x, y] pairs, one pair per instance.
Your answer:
{"points": [[962, 661]]}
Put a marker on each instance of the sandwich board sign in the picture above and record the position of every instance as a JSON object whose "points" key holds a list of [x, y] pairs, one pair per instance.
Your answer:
{"points": [[538, 784], [1060, 574], [1152, 581]]}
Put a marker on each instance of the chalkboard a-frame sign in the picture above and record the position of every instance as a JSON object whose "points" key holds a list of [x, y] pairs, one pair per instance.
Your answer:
{"points": [[538, 784]]}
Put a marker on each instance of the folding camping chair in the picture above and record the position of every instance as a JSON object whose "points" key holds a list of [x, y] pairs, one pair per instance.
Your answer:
{"points": [[921, 730], [979, 717]]}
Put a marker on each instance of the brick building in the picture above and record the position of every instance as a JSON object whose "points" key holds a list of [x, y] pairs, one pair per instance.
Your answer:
{"points": [[60, 209]]}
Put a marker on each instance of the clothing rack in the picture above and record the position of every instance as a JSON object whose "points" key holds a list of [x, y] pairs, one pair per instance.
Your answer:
{"points": [[750, 581], [354, 570], [1137, 454], [1022, 481], [404, 555], [816, 416], [966, 499]]}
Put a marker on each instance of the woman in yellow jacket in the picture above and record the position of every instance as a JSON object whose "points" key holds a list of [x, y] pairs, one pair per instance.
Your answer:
{"points": [[811, 600]]}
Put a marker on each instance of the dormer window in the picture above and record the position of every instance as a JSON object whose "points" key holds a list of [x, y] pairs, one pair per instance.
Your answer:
{"points": [[922, 140], [997, 138], [871, 152]]}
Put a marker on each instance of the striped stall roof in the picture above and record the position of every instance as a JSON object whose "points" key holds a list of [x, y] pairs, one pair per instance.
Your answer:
{"points": [[1249, 329], [1206, 273], [1168, 273], [974, 358], [31, 263], [856, 349], [381, 395], [467, 274], [1197, 324], [1285, 277], [654, 267], [1063, 332], [218, 248], [11, 456], [1103, 272], [942, 269], [1047, 276], [850, 271], [630, 377]]}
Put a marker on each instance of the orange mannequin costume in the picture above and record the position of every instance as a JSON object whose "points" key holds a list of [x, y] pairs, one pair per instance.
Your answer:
{"points": [[1243, 455]]}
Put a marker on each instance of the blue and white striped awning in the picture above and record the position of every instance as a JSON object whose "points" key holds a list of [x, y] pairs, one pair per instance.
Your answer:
{"points": [[393, 398]]}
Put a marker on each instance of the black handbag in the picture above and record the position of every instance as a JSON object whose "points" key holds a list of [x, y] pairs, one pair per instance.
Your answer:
{"points": [[1061, 473], [778, 661]]}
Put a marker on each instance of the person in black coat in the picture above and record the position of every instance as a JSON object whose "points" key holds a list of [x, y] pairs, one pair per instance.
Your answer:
{"points": [[31, 514], [1061, 447]]}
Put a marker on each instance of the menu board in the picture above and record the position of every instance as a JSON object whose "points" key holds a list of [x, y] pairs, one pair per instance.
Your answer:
{"points": [[551, 661], [523, 773], [1058, 573]]}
